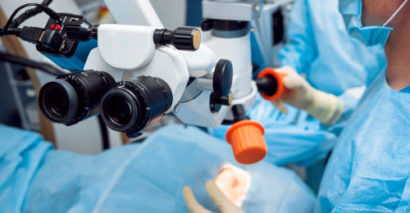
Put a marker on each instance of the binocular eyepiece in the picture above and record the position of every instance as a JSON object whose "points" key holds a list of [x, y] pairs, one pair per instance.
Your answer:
{"points": [[135, 104], [74, 97], [127, 106]]}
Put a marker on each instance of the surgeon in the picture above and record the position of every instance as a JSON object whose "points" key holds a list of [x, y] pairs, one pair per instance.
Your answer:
{"points": [[370, 166], [320, 48]]}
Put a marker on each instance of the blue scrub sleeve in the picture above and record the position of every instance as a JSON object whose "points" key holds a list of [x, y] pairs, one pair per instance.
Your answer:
{"points": [[299, 52]]}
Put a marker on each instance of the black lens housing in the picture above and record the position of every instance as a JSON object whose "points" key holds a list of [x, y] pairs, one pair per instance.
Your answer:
{"points": [[74, 97], [135, 104]]}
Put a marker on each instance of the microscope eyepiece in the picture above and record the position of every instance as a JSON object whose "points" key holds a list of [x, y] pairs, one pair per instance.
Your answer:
{"points": [[135, 104], [74, 97], [121, 112], [58, 100]]}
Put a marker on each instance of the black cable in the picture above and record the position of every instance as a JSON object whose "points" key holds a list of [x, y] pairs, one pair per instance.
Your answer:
{"points": [[28, 14], [30, 63], [45, 9], [104, 133], [11, 31]]}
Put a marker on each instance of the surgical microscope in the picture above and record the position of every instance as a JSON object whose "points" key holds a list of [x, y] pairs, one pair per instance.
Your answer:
{"points": [[134, 75]]}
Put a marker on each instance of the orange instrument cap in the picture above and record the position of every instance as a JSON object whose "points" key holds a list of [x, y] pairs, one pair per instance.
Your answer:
{"points": [[248, 144], [270, 72]]}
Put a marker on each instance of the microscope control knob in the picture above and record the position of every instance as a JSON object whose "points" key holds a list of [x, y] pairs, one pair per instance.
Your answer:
{"points": [[246, 137], [248, 143], [182, 38], [270, 84], [222, 79], [187, 38], [222, 83]]}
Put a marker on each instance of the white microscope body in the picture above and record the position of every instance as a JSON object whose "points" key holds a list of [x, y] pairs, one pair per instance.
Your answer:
{"points": [[139, 71], [202, 83], [229, 39], [226, 37], [128, 51]]}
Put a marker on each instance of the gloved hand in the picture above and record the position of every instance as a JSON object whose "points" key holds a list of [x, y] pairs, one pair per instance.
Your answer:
{"points": [[325, 107], [225, 206]]}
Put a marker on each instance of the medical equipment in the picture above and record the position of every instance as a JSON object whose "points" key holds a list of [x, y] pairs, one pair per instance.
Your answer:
{"points": [[152, 77], [270, 84], [61, 37], [74, 97], [325, 107]]}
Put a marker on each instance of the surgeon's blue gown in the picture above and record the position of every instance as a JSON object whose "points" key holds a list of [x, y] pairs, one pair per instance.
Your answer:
{"points": [[369, 168], [146, 177], [319, 47]]}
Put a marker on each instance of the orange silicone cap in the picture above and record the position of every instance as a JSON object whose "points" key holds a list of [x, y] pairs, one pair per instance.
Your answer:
{"points": [[278, 76], [248, 144]]}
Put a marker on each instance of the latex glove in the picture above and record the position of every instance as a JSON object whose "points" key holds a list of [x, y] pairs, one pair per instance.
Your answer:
{"points": [[225, 206], [325, 107]]}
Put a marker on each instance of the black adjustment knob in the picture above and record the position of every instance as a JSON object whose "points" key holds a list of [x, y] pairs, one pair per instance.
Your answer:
{"points": [[222, 83], [222, 80], [267, 85], [182, 38]]}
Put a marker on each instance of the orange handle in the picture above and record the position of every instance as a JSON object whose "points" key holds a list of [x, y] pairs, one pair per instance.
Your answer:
{"points": [[248, 144], [269, 72]]}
